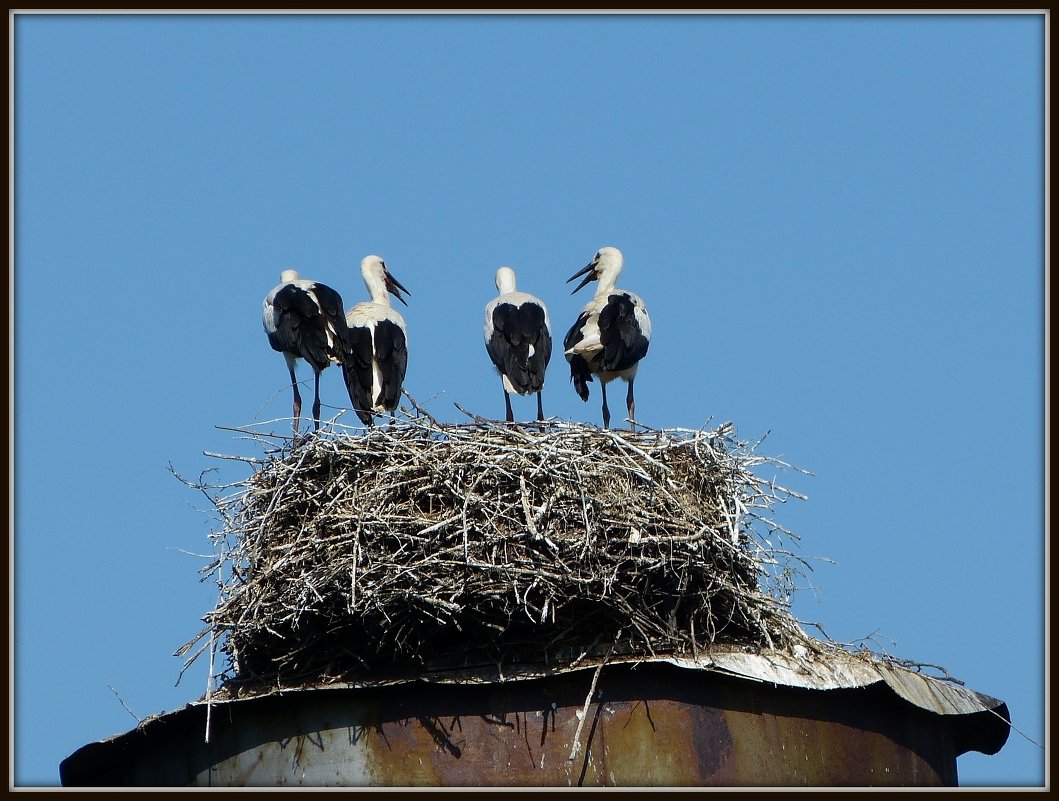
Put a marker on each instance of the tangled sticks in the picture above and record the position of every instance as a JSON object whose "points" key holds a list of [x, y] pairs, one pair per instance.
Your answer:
{"points": [[428, 545]]}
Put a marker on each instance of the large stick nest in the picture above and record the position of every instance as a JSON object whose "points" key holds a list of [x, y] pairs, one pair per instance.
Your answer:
{"points": [[424, 545]]}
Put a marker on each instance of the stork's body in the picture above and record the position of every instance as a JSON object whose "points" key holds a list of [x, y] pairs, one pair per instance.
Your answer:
{"points": [[303, 320], [379, 343], [611, 335], [518, 339]]}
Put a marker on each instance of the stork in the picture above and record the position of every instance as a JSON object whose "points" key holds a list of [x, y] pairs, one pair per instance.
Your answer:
{"points": [[303, 320], [518, 339], [611, 334], [379, 343]]}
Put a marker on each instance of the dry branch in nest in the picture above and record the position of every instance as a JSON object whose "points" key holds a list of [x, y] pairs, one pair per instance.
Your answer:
{"points": [[426, 545]]}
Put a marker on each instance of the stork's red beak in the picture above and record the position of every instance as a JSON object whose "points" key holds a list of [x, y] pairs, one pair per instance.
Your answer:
{"points": [[592, 276]]}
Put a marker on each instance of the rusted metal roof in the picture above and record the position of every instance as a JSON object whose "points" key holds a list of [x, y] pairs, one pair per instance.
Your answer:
{"points": [[850, 670], [726, 718], [838, 669]]}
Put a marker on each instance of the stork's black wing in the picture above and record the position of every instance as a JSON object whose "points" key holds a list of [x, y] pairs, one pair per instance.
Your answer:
{"points": [[309, 324], [542, 348], [293, 310], [516, 329], [356, 371], [580, 374], [391, 351], [575, 334], [624, 343]]}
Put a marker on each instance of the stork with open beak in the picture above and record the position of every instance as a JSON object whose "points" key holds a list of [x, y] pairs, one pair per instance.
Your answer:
{"points": [[611, 335], [379, 340]]}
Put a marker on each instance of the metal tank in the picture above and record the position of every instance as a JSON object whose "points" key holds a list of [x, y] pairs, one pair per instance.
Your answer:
{"points": [[730, 719]]}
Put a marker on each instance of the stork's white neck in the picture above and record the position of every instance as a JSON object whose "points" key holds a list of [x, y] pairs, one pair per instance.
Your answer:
{"points": [[608, 268], [505, 280], [375, 279], [608, 279], [377, 287]]}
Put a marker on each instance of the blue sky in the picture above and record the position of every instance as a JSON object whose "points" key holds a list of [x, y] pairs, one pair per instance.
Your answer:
{"points": [[836, 223]]}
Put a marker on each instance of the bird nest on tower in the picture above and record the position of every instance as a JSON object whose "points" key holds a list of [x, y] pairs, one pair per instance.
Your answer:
{"points": [[423, 546]]}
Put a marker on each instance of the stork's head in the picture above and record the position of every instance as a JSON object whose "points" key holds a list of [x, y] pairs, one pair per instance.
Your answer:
{"points": [[505, 280], [287, 276], [605, 268], [379, 281]]}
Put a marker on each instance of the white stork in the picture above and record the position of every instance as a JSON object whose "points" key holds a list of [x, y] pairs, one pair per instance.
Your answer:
{"points": [[303, 320], [379, 342], [611, 334], [518, 339]]}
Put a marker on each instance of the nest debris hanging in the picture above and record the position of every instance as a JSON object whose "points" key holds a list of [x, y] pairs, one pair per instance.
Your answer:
{"points": [[425, 545]]}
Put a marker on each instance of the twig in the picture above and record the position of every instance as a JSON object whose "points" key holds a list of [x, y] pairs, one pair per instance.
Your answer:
{"points": [[584, 709], [135, 716], [426, 542], [209, 684]]}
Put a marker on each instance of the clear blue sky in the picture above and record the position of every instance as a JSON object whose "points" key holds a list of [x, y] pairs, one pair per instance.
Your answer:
{"points": [[836, 223]]}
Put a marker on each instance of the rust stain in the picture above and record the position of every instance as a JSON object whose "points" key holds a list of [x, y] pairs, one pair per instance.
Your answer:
{"points": [[401, 754], [244, 778], [646, 727]]}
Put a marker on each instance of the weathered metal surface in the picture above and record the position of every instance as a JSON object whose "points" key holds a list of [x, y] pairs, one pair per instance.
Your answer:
{"points": [[834, 670], [652, 724]]}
